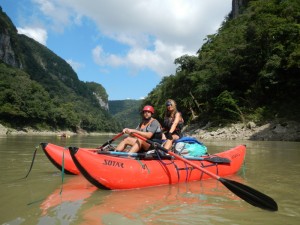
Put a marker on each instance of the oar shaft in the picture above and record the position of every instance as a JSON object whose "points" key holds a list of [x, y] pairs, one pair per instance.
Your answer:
{"points": [[111, 140], [116, 137]]}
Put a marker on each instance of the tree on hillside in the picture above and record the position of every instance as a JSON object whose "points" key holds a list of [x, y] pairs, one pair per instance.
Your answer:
{"points": [[248, 70]]}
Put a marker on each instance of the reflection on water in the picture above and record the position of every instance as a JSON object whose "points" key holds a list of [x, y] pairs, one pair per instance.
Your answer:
{"points": [[75, 189], [158, 204], [270, 167]]}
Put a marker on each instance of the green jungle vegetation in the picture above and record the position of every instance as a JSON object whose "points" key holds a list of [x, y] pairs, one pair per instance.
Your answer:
{"points": [[27, 103], [45, 93], [126, 112], [248, 71]]}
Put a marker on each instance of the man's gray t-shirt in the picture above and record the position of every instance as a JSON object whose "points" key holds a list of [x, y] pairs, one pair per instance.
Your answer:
{"points": [[153, 127]]}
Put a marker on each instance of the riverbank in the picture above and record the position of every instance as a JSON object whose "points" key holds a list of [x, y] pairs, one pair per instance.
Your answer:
{"points": [[272, 131], [4, 131]]}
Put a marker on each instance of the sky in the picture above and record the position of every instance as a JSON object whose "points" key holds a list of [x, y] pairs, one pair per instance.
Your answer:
{"points": [[127, 46]]}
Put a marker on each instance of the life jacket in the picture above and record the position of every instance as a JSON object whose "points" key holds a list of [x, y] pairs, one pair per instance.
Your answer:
{"points": [[168, 122], [143, 127]]}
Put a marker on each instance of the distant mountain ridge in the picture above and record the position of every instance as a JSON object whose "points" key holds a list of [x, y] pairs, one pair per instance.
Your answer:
{"points": [[41, 90]]}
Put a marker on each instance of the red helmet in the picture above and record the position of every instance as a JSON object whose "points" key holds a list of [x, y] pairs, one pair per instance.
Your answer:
{"points": [[148, 108]]}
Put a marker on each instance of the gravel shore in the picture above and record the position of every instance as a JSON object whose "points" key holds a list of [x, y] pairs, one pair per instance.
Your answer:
{"points": [[273, 131]]}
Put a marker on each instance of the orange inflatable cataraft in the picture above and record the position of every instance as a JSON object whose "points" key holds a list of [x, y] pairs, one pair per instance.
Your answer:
{"points": [[61, 158], [58, 155], [108, 171]]}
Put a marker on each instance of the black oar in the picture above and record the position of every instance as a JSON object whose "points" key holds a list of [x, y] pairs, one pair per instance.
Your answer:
{"points": [[213, 159], [110, 141], [245, 192]]}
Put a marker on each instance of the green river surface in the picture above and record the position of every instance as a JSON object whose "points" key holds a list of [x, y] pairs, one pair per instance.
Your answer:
{"points": [[45, 197]]}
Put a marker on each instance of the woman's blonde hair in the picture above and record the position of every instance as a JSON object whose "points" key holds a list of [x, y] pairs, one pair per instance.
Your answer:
{"points": [[174, 111]]}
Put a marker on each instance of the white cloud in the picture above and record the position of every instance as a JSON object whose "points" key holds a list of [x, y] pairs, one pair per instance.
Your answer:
{"points": [[60, 15], [38, 34], [157, 60], [156, 32], [101, 58]]}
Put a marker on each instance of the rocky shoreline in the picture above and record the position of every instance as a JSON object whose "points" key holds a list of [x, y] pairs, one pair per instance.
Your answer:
{"points": [[272, 131]]}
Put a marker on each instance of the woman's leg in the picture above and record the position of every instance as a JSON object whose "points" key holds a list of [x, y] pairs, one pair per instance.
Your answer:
{"points": [[168, 144]]}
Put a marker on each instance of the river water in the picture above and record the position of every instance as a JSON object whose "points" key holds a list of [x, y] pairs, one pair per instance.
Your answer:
{"points": [[46, 197]]}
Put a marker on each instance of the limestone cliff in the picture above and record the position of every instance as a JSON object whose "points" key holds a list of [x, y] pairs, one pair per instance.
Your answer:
{"points": [[8, 43], [102, 102], [237, 7]]}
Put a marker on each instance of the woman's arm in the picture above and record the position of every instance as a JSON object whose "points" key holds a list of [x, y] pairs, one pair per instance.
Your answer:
{"points": [[175, 123]]}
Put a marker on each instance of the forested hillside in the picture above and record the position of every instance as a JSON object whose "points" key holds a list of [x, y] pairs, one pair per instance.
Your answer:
{"points": [[248, 70], [126, 112], [39, 89]]}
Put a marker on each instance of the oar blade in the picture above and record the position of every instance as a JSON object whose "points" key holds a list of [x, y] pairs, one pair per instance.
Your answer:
{"points": [[250, 195], [217, 159]]}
